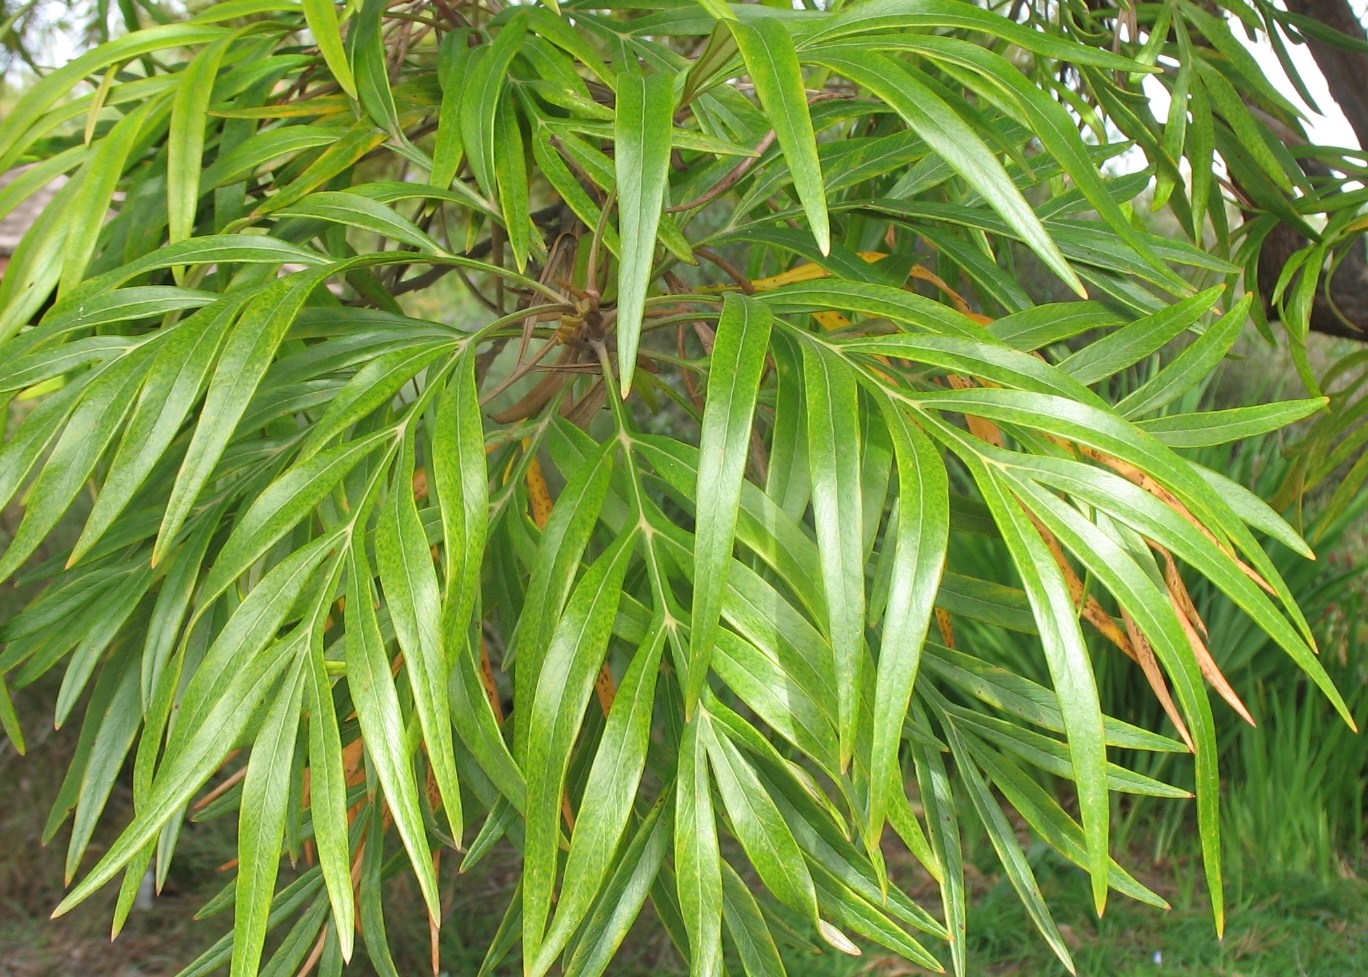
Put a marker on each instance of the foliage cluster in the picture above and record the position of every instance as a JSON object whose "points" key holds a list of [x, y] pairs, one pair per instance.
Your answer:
{"points": [[644, 568]]}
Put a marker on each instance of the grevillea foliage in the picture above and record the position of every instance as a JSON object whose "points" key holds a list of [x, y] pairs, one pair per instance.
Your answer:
{"points": [[545, 431]]}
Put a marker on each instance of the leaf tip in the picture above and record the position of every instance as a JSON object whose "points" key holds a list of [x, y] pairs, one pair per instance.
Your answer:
{"points": [[837, 939]]}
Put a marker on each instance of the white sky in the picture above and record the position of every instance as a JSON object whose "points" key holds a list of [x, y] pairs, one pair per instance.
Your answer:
{"points": [[1330, 129]]}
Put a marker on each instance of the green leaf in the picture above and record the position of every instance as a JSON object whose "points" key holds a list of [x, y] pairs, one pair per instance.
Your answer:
{"points": [[943, 827], [174, 381], [1133, 342], [718, 8], [645, 108], [750, 931], [612, 785], [1190, 367], [453, 60], [833, 429], [772, 62], [698, 859], [261, 825], [563, 686], [99, 178], [355, 210], [111, 720], [1221, 426], [559, 553], [282, 506], [382, 726], [247, 353], [92, 426], [1070, 668], [738, 360], [624, 895], [409, 583], [18, 130], [486, 76], [238, 672], [9, 719], [461, 482], [370, 67], [185, 146], [328, 798], [321, 16], [764, 835], [936, 122], [1004, 841], [923, 531]]}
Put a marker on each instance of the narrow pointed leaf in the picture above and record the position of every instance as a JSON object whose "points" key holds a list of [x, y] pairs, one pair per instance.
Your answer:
{"points": [[919, 559], [697, 856], [617, 767], [261, 826], [772, 62], [1070, 670], [461, 480], [645, 108], [409, 583], [328, 799], [322, 19], [246, 356], [766, 838], [185, 147], [564, 685], [382, 724], [932, 119], [738, 359], [833, 433]]}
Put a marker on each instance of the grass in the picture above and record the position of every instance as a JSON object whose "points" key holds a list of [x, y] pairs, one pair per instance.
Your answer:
{"points": [[1279, 926]]}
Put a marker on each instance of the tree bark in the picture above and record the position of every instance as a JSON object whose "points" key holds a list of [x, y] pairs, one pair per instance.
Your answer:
{"points": [[1344, 312], [1344, 71]]}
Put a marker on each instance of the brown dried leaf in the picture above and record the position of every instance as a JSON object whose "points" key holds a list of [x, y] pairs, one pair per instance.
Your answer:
{"points": [[1143, 653]]}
